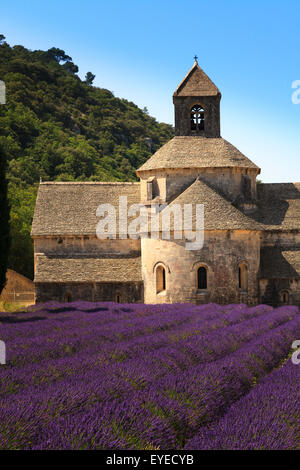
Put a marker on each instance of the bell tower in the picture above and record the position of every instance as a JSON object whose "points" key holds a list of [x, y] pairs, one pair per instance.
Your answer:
{"points": [[197, 105]]}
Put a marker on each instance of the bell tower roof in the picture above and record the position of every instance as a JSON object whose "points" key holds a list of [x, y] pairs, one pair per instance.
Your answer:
{"points": [[197, 105], [196, 83]]}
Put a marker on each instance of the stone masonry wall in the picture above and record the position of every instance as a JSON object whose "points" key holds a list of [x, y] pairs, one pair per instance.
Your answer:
{"points": [[228, 181], [221, 254], [85, 244], [123, 292], [211, 106], [271, 291]]}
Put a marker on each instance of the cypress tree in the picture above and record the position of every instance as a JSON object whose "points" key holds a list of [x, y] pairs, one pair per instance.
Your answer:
{"points": [[4, 219]]}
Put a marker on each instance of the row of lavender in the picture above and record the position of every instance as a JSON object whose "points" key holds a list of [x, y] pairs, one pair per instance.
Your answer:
{"points": [[267, 418], [109, 376], [172, 339]]}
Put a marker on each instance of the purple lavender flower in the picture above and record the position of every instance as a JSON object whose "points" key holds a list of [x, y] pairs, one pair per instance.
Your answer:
{"points": [[111, 376]]}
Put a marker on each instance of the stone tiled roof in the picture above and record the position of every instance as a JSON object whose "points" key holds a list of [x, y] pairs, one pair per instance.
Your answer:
{"points": [[87, 269], [196, 83], [280, 263], [197, 152], [219, 214], [279, 206], [70, 208]]}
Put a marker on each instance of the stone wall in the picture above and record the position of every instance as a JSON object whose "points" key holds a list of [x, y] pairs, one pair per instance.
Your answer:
{"points": [[272, 290], [123, 292], [285, 239], [227, 181], [70, 245], [221, 255], [211, 106], [89, 247]]}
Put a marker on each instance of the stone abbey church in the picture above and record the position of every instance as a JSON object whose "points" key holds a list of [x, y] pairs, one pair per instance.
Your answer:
{"points": [[251, 251]]}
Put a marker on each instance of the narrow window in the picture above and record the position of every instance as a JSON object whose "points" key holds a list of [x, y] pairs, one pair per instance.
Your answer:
{"points": [[243, 277], [202, 278], [160, 279], [118, 298], [285, 297], [164, 279], [151, 188], [246, 188], [197, 118]]}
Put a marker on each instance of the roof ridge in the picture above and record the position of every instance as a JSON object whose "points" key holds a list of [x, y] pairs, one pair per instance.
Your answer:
{"points": [[129, 183], [286, 182], [203, 137], [220, 198]]}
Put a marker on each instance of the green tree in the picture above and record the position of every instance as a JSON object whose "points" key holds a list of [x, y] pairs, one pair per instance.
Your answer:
{"points": [[58, 54], [89, 78], [70, 67], [22, 206], [4, 216], [61, 128]]}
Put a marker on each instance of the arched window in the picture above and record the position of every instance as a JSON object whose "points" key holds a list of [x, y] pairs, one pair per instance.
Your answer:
{"points": [[160, 279], [284, 297], [202, 277], [117, 298], [197, 118], [243, 276]]}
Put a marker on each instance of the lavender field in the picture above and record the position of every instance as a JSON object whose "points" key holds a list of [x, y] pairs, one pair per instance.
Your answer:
{"points": [[115, 376]]}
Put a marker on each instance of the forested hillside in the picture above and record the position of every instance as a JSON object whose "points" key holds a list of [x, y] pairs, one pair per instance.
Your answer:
{"points": [[56, 126]]}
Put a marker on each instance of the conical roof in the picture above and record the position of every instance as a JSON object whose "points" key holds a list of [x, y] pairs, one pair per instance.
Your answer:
{"points": [[197, 152], [196, 83]]}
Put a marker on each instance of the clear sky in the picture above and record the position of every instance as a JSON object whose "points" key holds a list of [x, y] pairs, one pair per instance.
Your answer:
{"points": [[141, 50]]}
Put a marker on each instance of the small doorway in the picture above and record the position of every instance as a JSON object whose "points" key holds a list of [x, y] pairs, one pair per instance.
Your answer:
{"points": [[67, 297]]}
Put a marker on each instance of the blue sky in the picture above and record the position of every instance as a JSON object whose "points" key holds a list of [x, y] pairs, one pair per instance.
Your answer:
{"points": [[141, 50]]}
